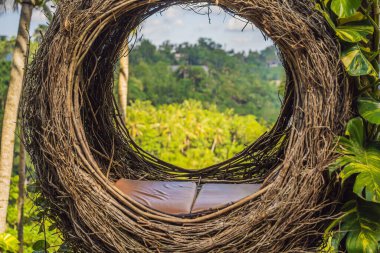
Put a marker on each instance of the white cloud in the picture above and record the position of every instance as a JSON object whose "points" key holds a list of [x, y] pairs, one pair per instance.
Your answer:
{"points": [[172, 13], [179, 22], [237, 25], [171, 16], [241, 40], [39, 16], [154, 27], [179, 25], [155, 22]]}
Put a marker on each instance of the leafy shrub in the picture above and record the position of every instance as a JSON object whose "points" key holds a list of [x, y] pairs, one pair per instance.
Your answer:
{"points": [[189, 135]]}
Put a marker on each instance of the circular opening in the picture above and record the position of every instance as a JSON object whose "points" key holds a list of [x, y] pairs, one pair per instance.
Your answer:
{"points": [[203, 85]]}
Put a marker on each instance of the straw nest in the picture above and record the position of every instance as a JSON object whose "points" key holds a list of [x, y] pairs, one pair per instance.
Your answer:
{"points": [[80, 146]]}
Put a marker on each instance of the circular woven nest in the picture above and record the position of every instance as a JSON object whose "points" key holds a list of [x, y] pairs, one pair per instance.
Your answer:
{"points": [[80, 146]]}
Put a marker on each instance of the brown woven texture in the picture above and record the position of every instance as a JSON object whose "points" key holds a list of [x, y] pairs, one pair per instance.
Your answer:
{"points": [[80, 146]]}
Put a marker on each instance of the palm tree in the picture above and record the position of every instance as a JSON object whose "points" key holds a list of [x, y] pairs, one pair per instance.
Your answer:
{"points": [[123, 83], [20, 56]]}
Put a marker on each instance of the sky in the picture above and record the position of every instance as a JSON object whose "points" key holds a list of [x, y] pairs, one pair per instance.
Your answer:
{"points": [[176, 25]]}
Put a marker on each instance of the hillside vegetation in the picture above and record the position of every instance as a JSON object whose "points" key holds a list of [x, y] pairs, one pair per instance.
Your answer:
{"points": [[189, 135], [246, 82]]}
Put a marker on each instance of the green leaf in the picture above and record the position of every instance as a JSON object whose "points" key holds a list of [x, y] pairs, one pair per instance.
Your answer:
{"points": [[354, 33], [40, 245], [360, 226], [364, 228], [333, 241], [33, 188], [367, 182], [345, 8], [41, 202], [360, 160], [356, 62], [356, 131], [361, 241], [8, 243], [52, 227], [369, 109], [358, 16]]}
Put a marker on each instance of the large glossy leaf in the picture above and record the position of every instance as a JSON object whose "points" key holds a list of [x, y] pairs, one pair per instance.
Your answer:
{"points": [[358, 16], [356, 132], [356, 62], [361, 160], [345, 8], [367, 168], [364, 228], [333, 241], [370, 110], [360, 226], [354, 33]]}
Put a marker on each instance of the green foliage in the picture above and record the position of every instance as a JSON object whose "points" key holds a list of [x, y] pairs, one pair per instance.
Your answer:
{"points": [[354, 34], [8, 243], [41, 245], [36, 228], [369, 109], [356, 62], [207, 73], [358, 16], [6, 48], [344, 8], [360, 159], [189, 135], [358, 229], [351, 26]]}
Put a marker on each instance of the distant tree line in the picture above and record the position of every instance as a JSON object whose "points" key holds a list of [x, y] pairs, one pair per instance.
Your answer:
{"points": [[249, 82]]}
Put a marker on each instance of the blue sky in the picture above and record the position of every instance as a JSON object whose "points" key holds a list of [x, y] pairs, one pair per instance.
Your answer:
{"points": [[176, 25]]}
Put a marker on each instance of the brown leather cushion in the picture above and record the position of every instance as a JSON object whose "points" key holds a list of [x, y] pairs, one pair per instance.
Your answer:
{"points": [[174, 198], [215, 196]]}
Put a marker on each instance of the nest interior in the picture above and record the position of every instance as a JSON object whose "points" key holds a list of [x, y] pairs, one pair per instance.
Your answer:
{"points": [[79, 144]]}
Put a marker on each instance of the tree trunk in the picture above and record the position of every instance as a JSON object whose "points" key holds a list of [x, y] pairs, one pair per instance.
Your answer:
{"points": [[11, 109], [21, 197], [123, 83]]}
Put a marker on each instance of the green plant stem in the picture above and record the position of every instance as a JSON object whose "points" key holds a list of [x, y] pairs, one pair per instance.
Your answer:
{"points": [[339, 219], [373, 22]]}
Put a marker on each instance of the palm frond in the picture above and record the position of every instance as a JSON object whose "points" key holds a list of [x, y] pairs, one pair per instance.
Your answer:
{"points": [[8, 5]]}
